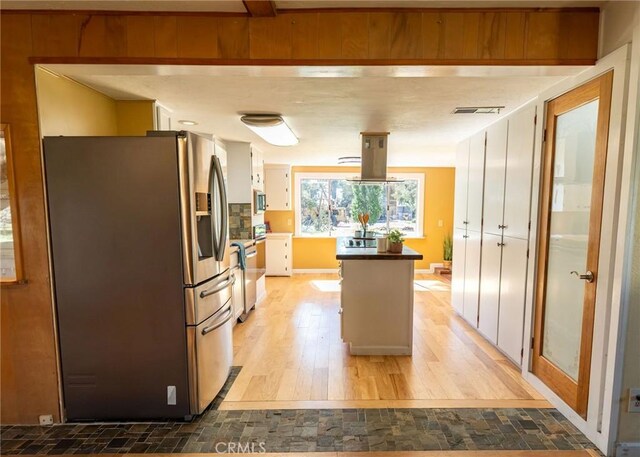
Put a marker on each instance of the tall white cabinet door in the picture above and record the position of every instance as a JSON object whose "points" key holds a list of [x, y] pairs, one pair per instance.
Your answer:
{"points": [[512, 297], [476, 182], [519, 167], [277, 187], [472, 277], [494, 175], [462, 181], [490, 286], [457, 273]]}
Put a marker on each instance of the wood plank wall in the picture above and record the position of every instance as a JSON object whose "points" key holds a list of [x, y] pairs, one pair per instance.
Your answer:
{"points": [[469, 37]]}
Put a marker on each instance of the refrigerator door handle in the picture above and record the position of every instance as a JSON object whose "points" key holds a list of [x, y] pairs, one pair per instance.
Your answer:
{"points": [[212, 192], [214, 290], [211, 328], [222, 234]]}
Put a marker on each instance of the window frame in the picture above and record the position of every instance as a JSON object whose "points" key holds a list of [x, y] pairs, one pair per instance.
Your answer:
{"points": [[326, 175], [15, 212]]}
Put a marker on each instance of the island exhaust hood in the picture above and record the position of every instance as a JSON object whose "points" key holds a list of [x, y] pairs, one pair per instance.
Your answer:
{"points": [[374, 158]]}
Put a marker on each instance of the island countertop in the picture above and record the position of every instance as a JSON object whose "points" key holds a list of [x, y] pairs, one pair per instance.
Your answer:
{"points": [[345, 253]]}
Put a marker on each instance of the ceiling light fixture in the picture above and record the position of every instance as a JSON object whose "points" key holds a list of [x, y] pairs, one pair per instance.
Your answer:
{"points": [[271, 128], [186, 122]]}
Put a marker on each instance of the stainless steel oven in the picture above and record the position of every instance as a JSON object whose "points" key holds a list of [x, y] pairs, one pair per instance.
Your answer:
{"points": [[250, 278], [259, 202]]}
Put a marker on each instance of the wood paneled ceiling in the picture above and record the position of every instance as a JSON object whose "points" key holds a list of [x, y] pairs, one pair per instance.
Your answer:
{"points": [[253, 7]]}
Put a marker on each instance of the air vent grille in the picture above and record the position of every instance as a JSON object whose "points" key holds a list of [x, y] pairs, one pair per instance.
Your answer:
{"points": [[478, 110]]}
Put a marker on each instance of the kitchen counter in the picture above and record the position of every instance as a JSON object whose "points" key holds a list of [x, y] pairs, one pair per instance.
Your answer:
{"points": [[345, 253], [376, 300]]}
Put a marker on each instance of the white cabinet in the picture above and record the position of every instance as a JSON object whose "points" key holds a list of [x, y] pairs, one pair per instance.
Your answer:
{"points": [[279, 254], [462, 180], [495, 166], [257, 169], [512, 297], [278, 187], [472, 277], [457, 266], [517, 191], [490, 286], [475, 190]]}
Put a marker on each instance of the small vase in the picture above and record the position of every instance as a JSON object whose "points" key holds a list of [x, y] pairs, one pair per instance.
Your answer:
{"points": [[447, 264], [395, 248]]}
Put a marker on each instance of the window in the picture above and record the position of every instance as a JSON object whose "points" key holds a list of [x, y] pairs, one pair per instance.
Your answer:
{"points": [[10, 265], [329, 204]]}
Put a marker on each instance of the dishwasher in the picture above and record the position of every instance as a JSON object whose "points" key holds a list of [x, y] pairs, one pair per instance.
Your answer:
{"points": [[251, 275]]}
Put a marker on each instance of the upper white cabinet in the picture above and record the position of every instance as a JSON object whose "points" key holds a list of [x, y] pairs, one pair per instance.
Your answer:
{"points": [[462, 179], [245, 172], [278, 187], [475, 184], [257, 169], [517, 192], [495, 168]]}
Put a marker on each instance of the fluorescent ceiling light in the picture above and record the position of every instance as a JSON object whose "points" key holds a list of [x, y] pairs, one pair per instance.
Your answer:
{"points": [[271, 128], [185, 122]]}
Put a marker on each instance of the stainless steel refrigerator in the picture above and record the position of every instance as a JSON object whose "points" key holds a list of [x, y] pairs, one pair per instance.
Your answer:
{"points": [[140, 260]]}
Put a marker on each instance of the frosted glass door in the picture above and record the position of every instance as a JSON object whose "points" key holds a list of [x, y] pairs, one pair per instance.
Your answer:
{"points": [[572, 195]]}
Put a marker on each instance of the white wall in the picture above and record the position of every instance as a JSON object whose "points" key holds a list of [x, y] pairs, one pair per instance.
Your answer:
{"points": [[618, 20]]}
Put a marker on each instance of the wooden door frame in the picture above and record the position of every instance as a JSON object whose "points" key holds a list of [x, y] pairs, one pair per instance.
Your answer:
{"points": [[574, 394]]}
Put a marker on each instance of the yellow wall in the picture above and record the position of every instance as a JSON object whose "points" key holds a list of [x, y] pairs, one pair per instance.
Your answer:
{"points": [[320, 253], [134, 117], [69, 108]]}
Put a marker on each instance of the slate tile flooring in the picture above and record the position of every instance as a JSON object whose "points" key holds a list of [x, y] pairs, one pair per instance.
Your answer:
{"points": [[307, 430]]}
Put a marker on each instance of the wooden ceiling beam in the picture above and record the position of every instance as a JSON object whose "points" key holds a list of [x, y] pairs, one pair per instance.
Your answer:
{"points": [[260, 8]]}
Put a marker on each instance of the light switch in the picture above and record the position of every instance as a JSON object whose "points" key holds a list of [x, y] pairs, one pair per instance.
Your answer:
{"points": [[634, 400], [289, 222], [440, 223]]}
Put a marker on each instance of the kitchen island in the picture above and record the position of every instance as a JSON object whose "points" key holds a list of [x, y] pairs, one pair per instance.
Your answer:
{"points": [[376, 299]]}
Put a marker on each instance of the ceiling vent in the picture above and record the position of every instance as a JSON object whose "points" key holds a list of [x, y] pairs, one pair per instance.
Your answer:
{"points": [[478, 110]]}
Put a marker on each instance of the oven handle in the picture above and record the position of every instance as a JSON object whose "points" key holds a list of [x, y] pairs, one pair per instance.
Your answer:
{"points": [[218, 288], [253, 254], [213, 327]]}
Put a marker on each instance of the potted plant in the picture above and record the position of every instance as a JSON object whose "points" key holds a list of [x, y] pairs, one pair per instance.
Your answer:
{"points": [[394, 241], [447, 248]]}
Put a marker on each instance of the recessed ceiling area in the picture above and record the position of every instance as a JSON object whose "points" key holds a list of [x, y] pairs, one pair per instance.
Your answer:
{"points": [[328, 107]]}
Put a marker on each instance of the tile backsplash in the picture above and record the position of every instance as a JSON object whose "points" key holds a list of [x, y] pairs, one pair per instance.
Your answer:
{"points": [[240, 221]]}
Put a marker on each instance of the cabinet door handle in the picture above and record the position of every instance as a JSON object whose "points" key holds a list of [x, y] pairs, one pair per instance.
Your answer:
{"points": [[465, 236], [465, 222], [500, 244], [502, 226]]}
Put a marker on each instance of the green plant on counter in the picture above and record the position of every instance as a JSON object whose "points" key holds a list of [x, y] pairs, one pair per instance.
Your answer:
{"points": [[395, 236], [447, 247]]}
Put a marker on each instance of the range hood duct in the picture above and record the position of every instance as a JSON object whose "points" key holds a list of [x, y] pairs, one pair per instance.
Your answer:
{"points": [[374, 158]]}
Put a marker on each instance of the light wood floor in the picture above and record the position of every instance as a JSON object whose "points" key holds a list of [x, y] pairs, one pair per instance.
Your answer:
{"points": [[292, 356]]}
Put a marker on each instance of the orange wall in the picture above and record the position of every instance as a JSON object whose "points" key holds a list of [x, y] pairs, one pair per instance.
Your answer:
{"points": [[320, 253]]}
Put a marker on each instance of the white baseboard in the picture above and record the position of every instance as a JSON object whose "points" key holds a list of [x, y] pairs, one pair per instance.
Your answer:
{"points": [[430, 270], [315, 270], [628, 450]]}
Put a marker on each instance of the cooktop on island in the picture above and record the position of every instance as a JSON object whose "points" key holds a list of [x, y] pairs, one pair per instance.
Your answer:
{"points": [[353, 242]]}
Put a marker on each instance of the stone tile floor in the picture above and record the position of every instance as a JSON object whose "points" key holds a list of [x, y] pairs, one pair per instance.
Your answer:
{"points": [[307, 430]]}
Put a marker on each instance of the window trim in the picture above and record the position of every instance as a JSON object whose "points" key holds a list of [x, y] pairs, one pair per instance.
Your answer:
{"points": [[420, 177]]}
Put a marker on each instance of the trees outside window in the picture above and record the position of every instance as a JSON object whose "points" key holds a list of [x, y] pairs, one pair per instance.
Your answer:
{"points": [[330, 206]]}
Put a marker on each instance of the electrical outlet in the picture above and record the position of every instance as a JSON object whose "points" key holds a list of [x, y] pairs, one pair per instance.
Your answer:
{"points": [[440, 223], [289, 222], [634, 400], [171, 395], [46, 419]]}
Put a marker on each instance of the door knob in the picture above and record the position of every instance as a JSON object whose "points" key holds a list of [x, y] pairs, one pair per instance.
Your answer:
{"points": [[588, 276]]}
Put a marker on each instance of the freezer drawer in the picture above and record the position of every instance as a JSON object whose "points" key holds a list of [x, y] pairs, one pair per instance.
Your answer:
{"points": [[209, 297], [210, 348]]}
